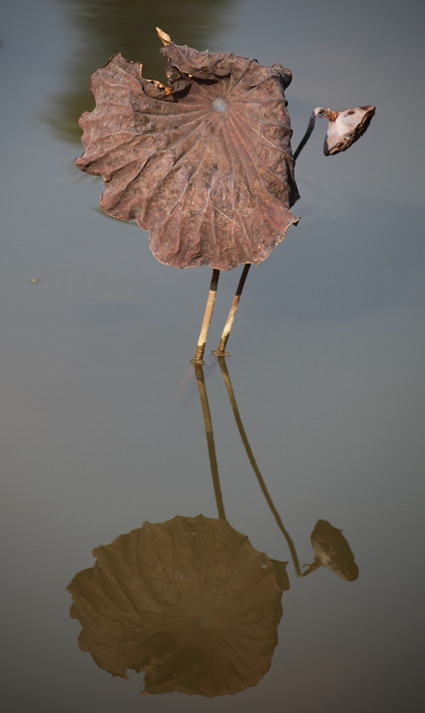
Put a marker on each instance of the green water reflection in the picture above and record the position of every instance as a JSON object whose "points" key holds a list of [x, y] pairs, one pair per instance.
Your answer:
{"points": [[106, 27]]}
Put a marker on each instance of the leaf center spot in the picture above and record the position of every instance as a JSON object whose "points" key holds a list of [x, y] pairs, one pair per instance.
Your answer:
{"points": [[219, 104]]}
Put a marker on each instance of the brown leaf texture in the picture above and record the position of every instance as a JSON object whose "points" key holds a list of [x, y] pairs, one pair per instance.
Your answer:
{"points": [[189, 601], [205, 165]]}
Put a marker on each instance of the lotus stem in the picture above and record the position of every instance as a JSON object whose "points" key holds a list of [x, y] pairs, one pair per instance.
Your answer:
{"points": [[318, 110], [254, 465], [221, 351], [199, 371], [312, 567], [207, 318]]}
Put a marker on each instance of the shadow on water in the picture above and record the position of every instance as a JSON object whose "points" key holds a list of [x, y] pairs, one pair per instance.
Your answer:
{"points": [[190, 602], [106, 27]]}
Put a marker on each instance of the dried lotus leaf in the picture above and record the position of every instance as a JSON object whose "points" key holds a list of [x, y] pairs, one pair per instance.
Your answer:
{"points": [[205, 165]]}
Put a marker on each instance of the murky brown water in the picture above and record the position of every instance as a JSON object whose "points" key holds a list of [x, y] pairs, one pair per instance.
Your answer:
{"points": [[317, 415]]}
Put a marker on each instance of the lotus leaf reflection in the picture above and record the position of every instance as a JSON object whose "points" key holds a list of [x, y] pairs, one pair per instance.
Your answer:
{"points": [[204, 164], [189, 601], [333, 551]]}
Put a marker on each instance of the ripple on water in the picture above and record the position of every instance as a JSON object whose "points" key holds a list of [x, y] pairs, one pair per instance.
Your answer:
{"points": [[329, 200]]}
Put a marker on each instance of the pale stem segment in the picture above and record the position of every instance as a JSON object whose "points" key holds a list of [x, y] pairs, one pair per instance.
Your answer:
{"points": [[199, 370], [207, 318], [221, 351]]}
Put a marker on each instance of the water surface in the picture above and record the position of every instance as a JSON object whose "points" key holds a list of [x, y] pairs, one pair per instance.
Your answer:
{"points": [[101, 421]]}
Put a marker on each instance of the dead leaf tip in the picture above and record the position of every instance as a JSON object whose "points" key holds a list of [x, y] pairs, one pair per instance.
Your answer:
{"points": [[165, 39]]}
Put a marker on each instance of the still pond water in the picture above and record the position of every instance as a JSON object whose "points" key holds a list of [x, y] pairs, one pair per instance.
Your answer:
{"points": [[317, 414]]}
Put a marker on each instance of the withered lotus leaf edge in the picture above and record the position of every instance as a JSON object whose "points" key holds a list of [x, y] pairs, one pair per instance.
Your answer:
{"points": [[346, 127]]}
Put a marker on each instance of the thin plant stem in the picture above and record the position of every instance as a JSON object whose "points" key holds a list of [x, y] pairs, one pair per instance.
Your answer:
{"points": [[207, 317], [199, 371], [255, 468], [221, 351], [309, 131], [312, 568]]}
